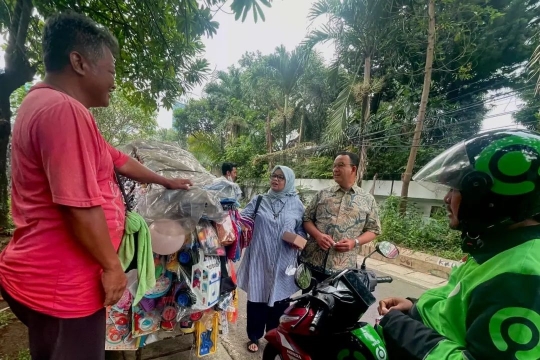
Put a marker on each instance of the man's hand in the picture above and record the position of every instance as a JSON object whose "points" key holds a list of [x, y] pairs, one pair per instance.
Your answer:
{"points": [[114, 284], [394, 303], [178, 184], [324, 241], [345, 245]]}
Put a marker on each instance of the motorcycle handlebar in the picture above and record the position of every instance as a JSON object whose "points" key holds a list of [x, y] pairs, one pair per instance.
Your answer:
{"points": [[316, 319], [384, 279]]}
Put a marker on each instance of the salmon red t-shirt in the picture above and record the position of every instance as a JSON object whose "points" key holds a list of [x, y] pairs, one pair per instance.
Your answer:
{"points": [[59, 158]]}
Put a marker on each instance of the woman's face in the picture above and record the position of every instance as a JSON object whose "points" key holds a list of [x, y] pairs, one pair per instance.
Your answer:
{"points": [[277, 181]]}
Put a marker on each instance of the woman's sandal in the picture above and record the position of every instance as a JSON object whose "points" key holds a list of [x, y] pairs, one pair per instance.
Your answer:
{"points": [[256, 343]]}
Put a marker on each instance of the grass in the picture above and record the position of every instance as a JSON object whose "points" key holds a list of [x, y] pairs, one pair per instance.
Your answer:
{"points": [[22, 355], [6, 317]]}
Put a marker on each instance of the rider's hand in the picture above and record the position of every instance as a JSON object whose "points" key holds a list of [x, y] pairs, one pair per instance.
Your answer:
{"points": [[394, 303], [324, 241], [178, 184], [114, 283], [345, 245]]}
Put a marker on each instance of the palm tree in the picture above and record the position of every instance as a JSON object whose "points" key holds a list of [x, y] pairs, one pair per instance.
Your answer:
{"points": [[360, 29], [285, 69]]}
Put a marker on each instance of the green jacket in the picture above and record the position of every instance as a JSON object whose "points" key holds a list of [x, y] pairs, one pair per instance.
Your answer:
{"points": [[490, 308]]}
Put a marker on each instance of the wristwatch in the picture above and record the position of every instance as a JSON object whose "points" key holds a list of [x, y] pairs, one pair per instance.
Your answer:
{"points": [[356, 243]]}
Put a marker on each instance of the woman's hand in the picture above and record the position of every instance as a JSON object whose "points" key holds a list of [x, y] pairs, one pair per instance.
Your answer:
{"points": [[394, 303]]}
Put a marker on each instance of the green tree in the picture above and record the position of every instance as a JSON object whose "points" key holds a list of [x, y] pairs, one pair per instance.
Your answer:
{"points": [[160, 45], [285, 70], [122, 122]]}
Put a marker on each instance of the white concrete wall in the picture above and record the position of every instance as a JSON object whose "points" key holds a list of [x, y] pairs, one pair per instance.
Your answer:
{"points": [[422, 197]]}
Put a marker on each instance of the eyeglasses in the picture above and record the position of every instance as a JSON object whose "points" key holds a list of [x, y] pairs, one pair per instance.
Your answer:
{"points": [[277, 177], [341, 165]]}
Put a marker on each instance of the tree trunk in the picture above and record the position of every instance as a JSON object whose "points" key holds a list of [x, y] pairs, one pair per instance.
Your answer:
{"points": [[423, 104], [364, 119], [5, 132], [17, 72], [301, 130], [268, 135], [285, 108]]}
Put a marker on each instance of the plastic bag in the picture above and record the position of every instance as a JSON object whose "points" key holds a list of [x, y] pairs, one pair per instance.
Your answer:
{"points": [[291, 268], [226, 190], [225, 231], [208, 239], [169, 160], [193, 204]]}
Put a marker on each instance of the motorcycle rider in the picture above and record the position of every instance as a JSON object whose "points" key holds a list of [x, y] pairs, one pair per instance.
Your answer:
{"points": [[490, 308]]}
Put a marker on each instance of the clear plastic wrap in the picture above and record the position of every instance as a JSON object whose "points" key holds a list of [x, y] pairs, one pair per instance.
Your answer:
{"points": [[153, 202], [159, 203], [225, 189], [169, 160]]}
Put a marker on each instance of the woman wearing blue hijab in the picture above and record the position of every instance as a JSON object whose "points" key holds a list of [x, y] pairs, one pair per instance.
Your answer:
{"points": [[262, 273]]}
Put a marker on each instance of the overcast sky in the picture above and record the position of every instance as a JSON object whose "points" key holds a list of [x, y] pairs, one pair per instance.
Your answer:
{"points": [[286, 23]]}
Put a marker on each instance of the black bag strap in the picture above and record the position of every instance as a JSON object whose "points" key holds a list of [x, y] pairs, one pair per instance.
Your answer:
{"points": [[257, 205], [124, 195]]}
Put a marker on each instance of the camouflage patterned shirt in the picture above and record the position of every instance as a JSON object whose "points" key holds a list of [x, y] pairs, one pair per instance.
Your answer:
{"points": [[342, 215]]}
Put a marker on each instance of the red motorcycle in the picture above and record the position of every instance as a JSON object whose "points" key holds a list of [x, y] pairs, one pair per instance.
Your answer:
{"points": [[324, 323]]}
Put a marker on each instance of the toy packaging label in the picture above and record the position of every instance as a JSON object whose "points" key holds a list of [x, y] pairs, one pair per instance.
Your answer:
{"points": [[208, 239], [118, 335], [145, 322], [206, 280]]}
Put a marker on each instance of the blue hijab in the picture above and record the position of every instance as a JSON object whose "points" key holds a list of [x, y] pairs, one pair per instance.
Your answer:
{"points": [[289, 189]]}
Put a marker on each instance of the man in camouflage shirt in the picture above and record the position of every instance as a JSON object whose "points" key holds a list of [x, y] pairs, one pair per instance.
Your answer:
{"points": [[339, 220]]}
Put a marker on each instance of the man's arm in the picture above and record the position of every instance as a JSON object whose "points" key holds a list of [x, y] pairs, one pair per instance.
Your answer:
{"points": [[324, 241], [89, 229], [503, 322], [371, 230], [138, 172]]}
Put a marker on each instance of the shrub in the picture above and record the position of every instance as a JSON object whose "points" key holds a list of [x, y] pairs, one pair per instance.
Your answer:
{"points": [[413, 231]]}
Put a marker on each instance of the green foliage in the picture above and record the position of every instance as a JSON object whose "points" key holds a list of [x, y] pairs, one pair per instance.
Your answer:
{"points": [[16, 99], [241, 152], [314, 168], [6, 317], [122, 122], [413, 231], [22, 355]]}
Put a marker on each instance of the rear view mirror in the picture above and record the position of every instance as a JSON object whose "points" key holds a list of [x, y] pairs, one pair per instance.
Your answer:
{"points": [[302, 277], [387, 249]]}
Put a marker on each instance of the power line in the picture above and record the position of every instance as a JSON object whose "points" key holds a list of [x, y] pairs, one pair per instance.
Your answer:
{"points": [[446, 114], [441, 126], [446, 144]]}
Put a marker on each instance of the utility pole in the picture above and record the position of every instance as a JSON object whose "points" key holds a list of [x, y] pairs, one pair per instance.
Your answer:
{"points": [[423, 105]]}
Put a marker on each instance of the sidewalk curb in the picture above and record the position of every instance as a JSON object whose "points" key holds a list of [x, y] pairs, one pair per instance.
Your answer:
{"points": [[407, 275], [415, 261]]}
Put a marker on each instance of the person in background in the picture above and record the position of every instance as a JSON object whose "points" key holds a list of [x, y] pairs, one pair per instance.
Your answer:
{"points": [[61, 268], [339, 220], [229, 173], [262, 272]]}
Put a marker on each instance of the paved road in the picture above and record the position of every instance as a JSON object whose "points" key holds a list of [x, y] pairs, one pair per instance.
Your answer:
{"points": [[236, 341]]}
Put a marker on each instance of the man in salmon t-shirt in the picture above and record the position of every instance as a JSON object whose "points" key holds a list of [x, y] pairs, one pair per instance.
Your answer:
{"points": [[61, 268]]}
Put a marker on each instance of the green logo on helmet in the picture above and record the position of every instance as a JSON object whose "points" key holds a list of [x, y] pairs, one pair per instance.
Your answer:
{"points": [[513, 163]]}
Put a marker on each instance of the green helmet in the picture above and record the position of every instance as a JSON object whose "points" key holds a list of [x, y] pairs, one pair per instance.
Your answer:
{"points": [[498, 174]]}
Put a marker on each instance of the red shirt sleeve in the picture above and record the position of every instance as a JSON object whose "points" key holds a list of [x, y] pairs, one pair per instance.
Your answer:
{"points": [[119, 158], [71, 148]]}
